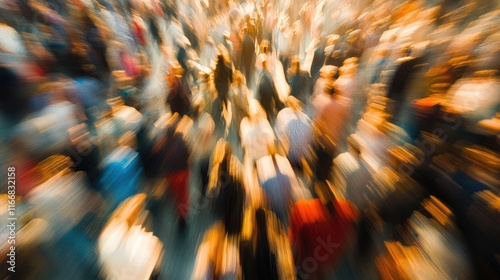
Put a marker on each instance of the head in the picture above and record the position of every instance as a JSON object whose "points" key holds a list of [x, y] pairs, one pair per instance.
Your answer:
{"points": [[336, 54], [264, 47], [332, 40], [293, 103], [264, 64], [295, 63], [329, 72], [220, 60], [353, 36]]}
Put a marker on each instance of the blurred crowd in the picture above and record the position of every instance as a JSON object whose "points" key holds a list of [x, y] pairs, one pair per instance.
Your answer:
{"points": [[307, 139]]}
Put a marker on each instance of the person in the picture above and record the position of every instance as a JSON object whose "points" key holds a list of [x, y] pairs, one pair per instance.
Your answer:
{"points": [[85, 154], [256, 133], [265, 55], [124, 230], [226, 179], [329, 127], [79, 63], [223, 77], [379, 65], [210, 253], [320, 97], [235, 40], [321, 221], [239, 99], [293, 129], [397, 90], [173, 154], [299, 81], [349, 87], [139, 29], [15, 98], [122, 171], [350, 174], [333, 52], [353, 44], [267, 95], [318, 60], [265, 258], [278, 181], [202, 132], [178, 96]]}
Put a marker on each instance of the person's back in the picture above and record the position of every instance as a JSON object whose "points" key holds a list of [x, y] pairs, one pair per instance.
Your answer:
{"points": [[314, 225], [333, 120], [265, 89], [178, 97], [247, 58], [351, 175], [300, 85], [247, 46], [276, 184], [267, 94], [317, 62], [232, 197], [223, 76], [174, 152], [265, 259], [121, 174], [299, 134], [256, 137]]}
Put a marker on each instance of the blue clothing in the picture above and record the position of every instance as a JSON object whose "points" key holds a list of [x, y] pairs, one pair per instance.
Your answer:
{"points": [[121, 173], [278, 191]]}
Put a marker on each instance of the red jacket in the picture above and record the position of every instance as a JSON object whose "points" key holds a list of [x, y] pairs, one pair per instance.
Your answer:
{"points": [[319, 234]]}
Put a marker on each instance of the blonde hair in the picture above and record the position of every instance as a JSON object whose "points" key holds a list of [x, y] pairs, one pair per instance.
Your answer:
{"points": [[238, 78]]}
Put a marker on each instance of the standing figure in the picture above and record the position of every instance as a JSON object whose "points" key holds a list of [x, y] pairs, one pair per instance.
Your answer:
{"points": [[173, 153], [299, 81], [330, 128], [267, 94], [247, 56], [178, 97], [239, 99]]}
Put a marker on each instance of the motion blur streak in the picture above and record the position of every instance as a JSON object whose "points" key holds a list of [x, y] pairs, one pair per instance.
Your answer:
{"points": [[250, 139]]}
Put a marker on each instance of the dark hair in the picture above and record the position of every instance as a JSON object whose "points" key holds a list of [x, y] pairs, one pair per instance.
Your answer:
{"points": [[220, 60]]}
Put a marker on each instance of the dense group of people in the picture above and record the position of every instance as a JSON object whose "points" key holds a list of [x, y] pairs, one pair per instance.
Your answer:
{"points": [[322, 139]]}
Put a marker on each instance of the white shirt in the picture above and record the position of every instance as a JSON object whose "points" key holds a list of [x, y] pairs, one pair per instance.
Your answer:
{"points": [[201, 136], [256, 137]]}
